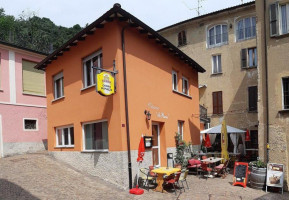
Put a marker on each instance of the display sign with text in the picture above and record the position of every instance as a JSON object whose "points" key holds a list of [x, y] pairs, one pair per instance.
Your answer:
{"points": [[105, 84]]}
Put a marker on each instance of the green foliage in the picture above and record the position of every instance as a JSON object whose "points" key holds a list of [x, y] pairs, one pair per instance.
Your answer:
{"points": [[33, 32], [181, 146], [258, 163]]}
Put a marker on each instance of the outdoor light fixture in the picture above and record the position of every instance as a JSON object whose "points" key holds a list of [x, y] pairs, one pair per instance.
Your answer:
{"points": [[148, 114]]}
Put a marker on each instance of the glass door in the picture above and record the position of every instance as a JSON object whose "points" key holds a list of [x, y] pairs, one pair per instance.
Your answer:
{"points": [[156, 144]]}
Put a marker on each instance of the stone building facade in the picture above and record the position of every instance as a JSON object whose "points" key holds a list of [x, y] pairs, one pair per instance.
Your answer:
{"points": [[273, 81], [224, 43]]}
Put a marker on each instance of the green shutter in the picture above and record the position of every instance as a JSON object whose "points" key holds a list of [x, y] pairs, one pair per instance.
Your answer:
{"points": [[33, 80]]}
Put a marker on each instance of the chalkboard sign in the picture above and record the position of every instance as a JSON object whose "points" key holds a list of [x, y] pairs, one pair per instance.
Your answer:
{"points": [[240, 174]]}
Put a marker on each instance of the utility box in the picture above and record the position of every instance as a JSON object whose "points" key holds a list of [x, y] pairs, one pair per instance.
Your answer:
{"points": [[170, 159]]}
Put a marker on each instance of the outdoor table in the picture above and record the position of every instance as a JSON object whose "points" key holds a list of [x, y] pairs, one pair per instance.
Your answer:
{"points": [[163, 171], [210, 161]]}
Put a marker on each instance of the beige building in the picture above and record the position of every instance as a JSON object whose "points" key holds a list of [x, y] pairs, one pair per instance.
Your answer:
{"points": [[224, 43], [273, 82]]}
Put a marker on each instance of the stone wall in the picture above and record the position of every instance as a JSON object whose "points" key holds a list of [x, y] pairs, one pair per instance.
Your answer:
{"points": [[13, 148]]}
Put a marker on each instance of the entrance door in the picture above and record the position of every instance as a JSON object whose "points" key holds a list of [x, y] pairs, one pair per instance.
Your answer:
{"points": [[156, 144]]}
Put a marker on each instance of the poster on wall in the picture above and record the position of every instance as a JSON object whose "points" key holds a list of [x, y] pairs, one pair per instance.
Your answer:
{"points": [[275, 175]]}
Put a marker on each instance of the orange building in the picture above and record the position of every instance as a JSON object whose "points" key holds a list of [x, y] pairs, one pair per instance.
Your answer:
{"points": [[100, 134]]}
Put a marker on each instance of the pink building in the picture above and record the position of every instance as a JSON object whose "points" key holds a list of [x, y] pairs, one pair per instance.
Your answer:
{"points": [[22, 101]]}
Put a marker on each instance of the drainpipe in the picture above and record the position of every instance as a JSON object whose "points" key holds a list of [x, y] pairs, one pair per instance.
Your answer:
{"points": [[126, 107], [266, 81]]}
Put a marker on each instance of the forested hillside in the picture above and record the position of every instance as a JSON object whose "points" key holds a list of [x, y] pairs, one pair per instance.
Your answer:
{"points": [[33, 32]]}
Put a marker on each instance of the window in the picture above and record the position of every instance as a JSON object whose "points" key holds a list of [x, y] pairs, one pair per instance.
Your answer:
{"points": [[285, 84], [58, 85], [96, 136], [253, 98], [185, 86], [246, 28], [175, 80], [217, 103], [33, 80], [88, 72], [182, 39], [218, 35], [181, 128], [249, 58], [279, 19], [217, 64], [65, 136], [30, 124]]}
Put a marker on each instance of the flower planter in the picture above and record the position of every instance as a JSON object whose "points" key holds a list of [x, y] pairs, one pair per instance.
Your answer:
{"points": [[258, 178]]}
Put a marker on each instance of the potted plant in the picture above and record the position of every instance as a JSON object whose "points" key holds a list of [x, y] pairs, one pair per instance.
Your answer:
{"points": [[258, 174], [180, 160]]}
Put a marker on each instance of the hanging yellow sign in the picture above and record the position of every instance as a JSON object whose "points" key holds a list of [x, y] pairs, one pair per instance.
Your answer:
{"points": [[105, 83]]}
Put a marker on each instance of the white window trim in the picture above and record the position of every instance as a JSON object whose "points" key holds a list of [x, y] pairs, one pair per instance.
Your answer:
{"points": [[282, 86], [280, 17], [236, 28], [217, 55], [30, 129], [174, 73], [85, 86], [55, 78], [183, 83], [62, 135], [83, 137], [208, 35]]}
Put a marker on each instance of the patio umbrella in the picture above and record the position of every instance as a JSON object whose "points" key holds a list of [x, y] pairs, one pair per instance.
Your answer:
{"points": [[141, 151], [224, 142], [208, 141], [247, 136]]}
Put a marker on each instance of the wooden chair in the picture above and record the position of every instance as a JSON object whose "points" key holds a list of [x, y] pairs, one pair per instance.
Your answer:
{"points": [[222, 169]]}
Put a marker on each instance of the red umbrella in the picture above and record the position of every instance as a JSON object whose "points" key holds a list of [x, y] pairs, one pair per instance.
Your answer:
{"points": [[208, 141], [141, 151], [247, 138]]}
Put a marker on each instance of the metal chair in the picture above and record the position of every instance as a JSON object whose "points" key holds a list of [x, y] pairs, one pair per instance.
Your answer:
{"points": [[205, 169], [183, 178], [173, 180], [145, 177]]}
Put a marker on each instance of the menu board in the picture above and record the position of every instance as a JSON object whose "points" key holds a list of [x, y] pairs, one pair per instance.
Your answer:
{"points": [[275, 175], [240, 174]]}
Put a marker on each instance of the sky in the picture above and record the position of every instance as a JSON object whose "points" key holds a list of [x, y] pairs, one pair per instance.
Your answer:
{"points": [[155, 13]]}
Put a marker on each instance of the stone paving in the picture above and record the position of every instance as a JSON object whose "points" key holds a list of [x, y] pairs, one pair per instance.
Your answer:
{"points": [[39, 176]]}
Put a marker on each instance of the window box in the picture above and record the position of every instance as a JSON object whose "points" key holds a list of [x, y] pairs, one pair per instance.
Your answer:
{"points": [[65, 137]]}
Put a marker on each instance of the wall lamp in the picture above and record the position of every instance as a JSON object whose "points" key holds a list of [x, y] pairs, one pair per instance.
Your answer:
{"points": [[148, 114]]}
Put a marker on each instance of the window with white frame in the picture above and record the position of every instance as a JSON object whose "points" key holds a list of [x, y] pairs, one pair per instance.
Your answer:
{"points": [[285, 88], [249, 58], [30, 124], [181, 128], [216, 64], [88, 72], [185, 86], [175, 80], [246, 28], [95, 136], [65, 136], [218, 35], [58, 85], [279, 18]]}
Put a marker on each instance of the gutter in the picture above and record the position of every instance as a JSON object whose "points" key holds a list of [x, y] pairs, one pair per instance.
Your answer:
{"points": [[266, 82], [126, 107]]}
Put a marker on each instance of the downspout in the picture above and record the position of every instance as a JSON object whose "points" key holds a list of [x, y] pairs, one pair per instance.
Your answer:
{"points": [[126, 107], [266, 81]]}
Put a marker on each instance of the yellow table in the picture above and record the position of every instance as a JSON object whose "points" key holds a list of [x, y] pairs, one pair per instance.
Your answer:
{"points": [[160, 172]]}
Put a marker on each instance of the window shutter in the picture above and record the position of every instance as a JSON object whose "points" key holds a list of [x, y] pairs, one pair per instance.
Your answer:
{"points": [[33, 80], [215, 100], [253, 98], [243, 58], [220, 103], [274, 28]]}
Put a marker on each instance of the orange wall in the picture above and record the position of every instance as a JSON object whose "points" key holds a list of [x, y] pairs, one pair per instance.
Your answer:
{"points": [[149, 79]]}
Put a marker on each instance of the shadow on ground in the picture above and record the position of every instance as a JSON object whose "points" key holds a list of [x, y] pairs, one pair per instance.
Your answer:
{"points": [[9, 190]]}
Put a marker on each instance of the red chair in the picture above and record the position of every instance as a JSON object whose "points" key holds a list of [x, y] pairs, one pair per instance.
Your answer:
{"points": [[152, 174], [173, 179], [205, 169], [221, 169], [194, 164]]}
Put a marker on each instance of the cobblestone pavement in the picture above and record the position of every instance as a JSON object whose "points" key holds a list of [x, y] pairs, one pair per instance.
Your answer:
{"points": [[39, 176]]}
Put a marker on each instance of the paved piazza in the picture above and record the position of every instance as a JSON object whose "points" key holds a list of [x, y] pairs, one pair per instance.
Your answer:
{"points": [[39, 176]]}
